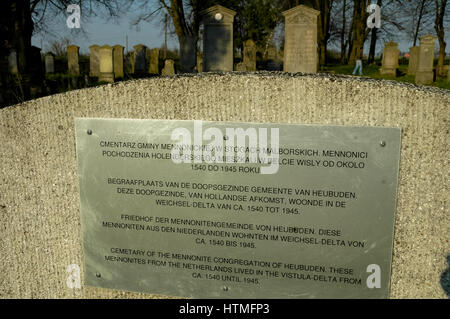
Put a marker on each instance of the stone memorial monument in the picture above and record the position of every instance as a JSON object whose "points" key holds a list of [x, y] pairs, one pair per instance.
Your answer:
{"points": [[118, 61], [49, 63], [424, 72], [169, 68], [250, 55], [154, 61], [139, 59], [413, 60], [389, 63], [218, 39], [300, 47], [188, 48], [94, 60], [106, 64], [72, 60]]}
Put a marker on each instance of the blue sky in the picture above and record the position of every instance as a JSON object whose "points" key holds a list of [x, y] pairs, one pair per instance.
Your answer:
{"points": [[104, 30], [101, 30]]}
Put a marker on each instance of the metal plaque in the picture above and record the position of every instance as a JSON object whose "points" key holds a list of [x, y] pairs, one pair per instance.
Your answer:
{"points": [[237, 210]]}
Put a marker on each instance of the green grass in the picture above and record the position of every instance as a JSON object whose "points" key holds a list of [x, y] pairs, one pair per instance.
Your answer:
{"points": [[373, 71]]}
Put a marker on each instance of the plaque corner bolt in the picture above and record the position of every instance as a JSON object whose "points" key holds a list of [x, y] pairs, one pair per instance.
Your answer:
{"points": [[225, 288], [383, 143], [98, 275], [89, 132]]}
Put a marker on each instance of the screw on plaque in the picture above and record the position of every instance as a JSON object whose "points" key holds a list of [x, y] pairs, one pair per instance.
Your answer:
{"points": [[225, 137], [89, 132], [225, 288], [98, 275], [382, 143]]}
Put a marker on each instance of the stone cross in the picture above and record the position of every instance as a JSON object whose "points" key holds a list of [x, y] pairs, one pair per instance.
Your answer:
{"points": [[389, 63], [118, 61], [106, 64], [94, 60], [72, 60], [218, 38], [424, 72], [300, 46]]}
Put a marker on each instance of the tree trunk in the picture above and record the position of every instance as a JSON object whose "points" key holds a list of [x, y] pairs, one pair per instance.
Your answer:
{"points": [[323, 27], [416, 32], [359, 30], [373, 41], [440, 32], [343, 44], [23, 30]]}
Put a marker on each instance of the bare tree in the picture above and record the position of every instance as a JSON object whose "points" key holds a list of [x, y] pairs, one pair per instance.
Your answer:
{"points": [[440, 32]]}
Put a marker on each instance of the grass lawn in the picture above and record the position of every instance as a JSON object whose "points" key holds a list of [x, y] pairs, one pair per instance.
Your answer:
{"points": [[372, 71]]}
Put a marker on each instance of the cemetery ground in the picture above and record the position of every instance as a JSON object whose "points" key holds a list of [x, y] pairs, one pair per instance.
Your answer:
{"points": [[373, 71]]}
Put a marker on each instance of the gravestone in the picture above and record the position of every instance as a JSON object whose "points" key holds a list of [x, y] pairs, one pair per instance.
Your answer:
{"points": [[12, 63], [154, 61], [271, 53], [413, 60], [389, 63], [448, 74], [250, 55], [49, 63], [218, 39], [72, 60], [300, 48], [139, 59], [240, 67], [188, 56], [106, 64], [169, 68], [94, 60], [118, 61], [424, 73]]}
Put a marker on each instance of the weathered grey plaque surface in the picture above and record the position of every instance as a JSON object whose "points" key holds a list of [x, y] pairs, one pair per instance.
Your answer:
{"points": [[320, 227]]}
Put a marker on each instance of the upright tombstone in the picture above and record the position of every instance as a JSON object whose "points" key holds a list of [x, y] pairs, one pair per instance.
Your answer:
{"points": [[139, 59], [94, 60], [12, 63], [389, 63], [218, 39], [188, 54], [300, 47], [250, 55], [169, 68], [106, 64], [118, 61], [448, 74], [154, 61], [49, 63], [424, 73], [413, 60], [72, 60]]}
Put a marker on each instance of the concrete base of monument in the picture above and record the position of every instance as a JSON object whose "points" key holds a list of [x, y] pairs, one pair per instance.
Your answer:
{"points": [[424, 77], [39, 206]]}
